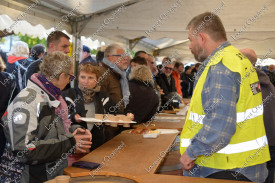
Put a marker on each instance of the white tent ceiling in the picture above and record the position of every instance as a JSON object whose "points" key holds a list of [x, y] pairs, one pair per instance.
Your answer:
{"points": [[122, 20]]}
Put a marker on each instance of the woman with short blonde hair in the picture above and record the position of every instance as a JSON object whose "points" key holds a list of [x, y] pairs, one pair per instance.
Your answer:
{"points": [[144, 101], [54, 64], [37, 125]]}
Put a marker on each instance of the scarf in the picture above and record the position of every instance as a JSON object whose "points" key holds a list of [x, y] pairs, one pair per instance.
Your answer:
{"points": [[88, 94], [56, 92], [123, 80]]}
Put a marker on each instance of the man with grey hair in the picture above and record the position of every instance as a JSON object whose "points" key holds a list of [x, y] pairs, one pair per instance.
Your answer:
{"points": [[165, 80], [114, 81]]}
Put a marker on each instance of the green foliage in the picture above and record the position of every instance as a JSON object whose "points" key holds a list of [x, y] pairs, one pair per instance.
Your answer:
{"points": [[94, 52], [31, 40], [132, 52], [2, 40]]}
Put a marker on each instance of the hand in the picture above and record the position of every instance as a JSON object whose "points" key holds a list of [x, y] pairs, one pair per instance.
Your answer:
{"points": [[76, 117], [161, 91], [131, 116], [186, 163], [83, 138]]}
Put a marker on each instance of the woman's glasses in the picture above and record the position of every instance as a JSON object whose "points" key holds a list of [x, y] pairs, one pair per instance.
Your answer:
{"points": [[71, 77]]}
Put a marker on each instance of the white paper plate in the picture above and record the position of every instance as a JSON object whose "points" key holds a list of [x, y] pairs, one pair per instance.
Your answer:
{"points": [[94, 120]]}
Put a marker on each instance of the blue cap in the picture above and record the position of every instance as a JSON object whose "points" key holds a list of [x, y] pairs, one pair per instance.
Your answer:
{"points": [[86, 49]]}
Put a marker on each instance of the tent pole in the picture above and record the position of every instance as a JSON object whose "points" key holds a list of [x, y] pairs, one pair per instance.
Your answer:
{"points": [[133, 42], [76, 30], [76, 51]]}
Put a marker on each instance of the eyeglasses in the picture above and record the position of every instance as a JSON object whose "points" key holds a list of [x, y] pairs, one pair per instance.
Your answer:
{"points": [[168, 68], [71, 77], [117, 55], [123, 55]]}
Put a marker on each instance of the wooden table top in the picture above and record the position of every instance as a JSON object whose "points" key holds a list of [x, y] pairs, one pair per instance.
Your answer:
{"points": [[161, 123], [127, 153]]}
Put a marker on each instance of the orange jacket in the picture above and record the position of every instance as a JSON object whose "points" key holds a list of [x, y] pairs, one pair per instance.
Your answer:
{"points": [[176, 77]]}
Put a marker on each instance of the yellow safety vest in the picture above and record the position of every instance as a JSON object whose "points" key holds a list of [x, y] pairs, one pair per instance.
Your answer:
{"points": [[248, 146]]}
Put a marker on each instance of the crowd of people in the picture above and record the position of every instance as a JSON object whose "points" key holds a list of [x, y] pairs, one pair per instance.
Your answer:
{"points": [[41, 112]]}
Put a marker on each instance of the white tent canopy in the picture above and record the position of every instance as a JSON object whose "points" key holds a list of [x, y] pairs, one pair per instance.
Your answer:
{"points": [[23, 27], [159, 25]]}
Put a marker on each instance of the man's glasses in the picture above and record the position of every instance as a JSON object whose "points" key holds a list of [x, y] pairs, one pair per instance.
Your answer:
{"points": [[123, 56], [168, 68], [117, 55], [71, 77]]}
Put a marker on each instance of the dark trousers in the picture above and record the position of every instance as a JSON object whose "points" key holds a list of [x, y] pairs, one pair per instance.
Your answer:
{"points": [[228, 175], [2, 140], [271, 166]]}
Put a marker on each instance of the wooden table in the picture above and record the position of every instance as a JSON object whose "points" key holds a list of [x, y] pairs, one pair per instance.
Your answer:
{"points": [[156, 178], [170, 111], [187, 100], [164, 124], [139, 156]]}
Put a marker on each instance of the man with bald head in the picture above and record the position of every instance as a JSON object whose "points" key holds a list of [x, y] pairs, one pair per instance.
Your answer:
{"points": [[250, 54], [271, 74], [268, 94]]}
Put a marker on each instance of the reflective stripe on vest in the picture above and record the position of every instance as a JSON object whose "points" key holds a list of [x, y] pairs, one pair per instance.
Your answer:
{"points": [[236, 148], [241, 116]]}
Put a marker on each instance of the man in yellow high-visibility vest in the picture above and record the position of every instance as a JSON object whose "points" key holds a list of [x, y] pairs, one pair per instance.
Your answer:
{"points": [[224, 135]]}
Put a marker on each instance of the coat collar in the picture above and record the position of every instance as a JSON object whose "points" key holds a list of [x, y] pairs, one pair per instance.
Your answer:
{"points": [[141, 83]]}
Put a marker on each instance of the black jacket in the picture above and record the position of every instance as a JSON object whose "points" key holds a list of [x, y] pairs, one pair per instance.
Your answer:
{"points": [[187, 84], [18, 67], [7, 92], [143, 101], [32, 68], [78, 107], [162, 81], [268, 94]]}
